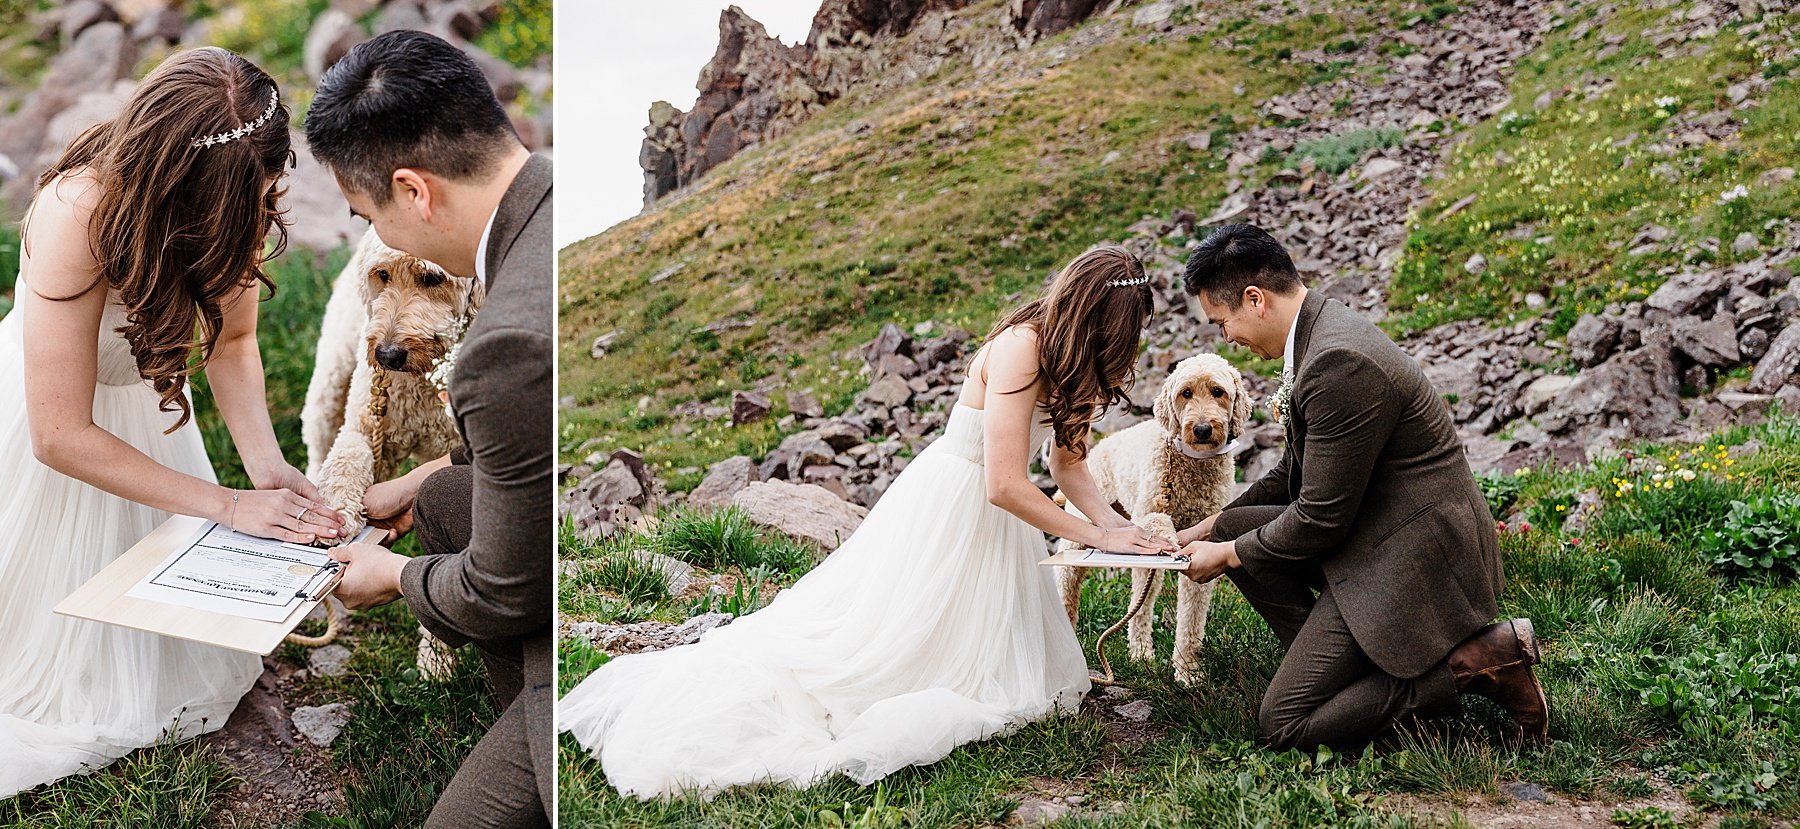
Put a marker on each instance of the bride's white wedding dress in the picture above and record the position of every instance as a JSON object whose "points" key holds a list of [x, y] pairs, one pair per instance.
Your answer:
{"points": [[930, 627], [74, 694]]}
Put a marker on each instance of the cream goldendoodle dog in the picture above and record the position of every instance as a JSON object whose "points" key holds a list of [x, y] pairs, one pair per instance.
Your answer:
{"points": [[391, 319], [374, 399], [1178, 464]]}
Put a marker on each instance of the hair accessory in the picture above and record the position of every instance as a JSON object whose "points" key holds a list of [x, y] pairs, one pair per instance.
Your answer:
{"points": [[233, 135], [1124, 283]]}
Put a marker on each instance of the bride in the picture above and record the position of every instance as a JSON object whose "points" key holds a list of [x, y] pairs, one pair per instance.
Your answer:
{"points": [[932, 625], [148, 228]]}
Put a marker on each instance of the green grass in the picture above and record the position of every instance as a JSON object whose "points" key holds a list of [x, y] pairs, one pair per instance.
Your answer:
{"points": [[610, 581], [169, 785], [1657, 663], [960, 199], [9, 265], [522, 32], [406, 738], [270, 33], [1337, 153], [1584, 177]]}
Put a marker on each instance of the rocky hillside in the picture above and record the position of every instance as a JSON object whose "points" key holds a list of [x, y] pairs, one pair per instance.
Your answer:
{"points": [[1573, 214], [67, 65]]}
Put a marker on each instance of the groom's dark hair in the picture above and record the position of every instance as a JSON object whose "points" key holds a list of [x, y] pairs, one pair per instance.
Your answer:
{"points": [[406, 99], [1235, 257]]}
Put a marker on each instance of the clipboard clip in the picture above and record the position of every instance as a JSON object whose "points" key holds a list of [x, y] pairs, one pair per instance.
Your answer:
{"points": [[331, 573]]}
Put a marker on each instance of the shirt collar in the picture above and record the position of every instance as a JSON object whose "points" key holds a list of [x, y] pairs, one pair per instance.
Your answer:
{"points": [[1287, 353], [481, 252]]}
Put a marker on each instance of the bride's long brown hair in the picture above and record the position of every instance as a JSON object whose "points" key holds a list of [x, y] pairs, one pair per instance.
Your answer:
{"points": [[177, 229], [1087, 333]]}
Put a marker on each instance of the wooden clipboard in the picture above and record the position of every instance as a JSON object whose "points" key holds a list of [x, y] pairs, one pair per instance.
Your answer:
{"points": [[1075, 557], [102, 599]]}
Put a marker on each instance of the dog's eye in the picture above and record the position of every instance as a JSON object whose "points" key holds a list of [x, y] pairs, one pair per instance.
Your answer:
{"points": [[431, 279], [381, 274], [1187, 393], [1218, 392]]}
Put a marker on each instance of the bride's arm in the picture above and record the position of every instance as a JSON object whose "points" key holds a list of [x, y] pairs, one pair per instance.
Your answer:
{"points": [[1071, 474], [235, 372], [1012, 363], [61, 367]]}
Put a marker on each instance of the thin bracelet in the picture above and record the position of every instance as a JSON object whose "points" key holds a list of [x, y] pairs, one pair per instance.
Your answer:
{"points": [[231, 523]]}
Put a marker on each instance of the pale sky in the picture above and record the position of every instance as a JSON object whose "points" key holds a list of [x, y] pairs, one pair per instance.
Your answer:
{"points": [[612, 60]]}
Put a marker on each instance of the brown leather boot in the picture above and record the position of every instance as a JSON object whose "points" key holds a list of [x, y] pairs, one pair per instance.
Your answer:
{"points": [[1496, 663]]}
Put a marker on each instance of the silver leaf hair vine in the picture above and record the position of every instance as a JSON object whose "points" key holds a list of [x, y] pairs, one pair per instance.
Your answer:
{"points": [[243, 130], [1126, 283]]}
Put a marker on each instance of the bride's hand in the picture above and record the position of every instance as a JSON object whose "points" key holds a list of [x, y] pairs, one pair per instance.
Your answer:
{"points": [[1133, 540], [281, 514], [283, 475]]}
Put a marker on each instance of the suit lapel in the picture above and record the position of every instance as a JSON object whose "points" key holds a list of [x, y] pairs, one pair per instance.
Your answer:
{"points": [[529, 189], [1304, 323]]}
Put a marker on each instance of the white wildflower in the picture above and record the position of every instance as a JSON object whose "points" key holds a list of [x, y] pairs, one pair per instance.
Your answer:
{"points": [[1734, 194], [1667, 102]]}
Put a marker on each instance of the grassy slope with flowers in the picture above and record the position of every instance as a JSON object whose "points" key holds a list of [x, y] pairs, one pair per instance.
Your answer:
{"points": [[1662, 582], [1561, 193]]}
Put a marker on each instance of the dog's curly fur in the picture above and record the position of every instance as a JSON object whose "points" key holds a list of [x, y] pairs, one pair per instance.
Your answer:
{"points": [[1205, 404], [408, 308]]}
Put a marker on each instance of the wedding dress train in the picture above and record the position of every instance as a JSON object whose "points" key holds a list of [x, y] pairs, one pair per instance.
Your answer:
{"points": [[930, 627], [74, 694]]}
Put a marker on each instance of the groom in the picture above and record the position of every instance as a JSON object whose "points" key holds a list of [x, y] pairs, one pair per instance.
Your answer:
{"points": [[1369, 549], [419, 145]]}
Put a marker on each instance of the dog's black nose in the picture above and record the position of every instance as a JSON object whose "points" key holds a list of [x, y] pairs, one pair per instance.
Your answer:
{"points": [[1203, 432], [390, 356]]}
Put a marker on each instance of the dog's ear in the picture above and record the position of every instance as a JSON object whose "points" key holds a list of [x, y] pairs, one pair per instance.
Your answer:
{"points": [[1240, 405], [1164, 408]]}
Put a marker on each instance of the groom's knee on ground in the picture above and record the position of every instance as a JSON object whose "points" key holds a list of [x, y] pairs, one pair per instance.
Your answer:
{"points": [[441, 510]]}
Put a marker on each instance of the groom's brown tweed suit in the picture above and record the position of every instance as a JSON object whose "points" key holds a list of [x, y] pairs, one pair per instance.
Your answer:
{"points": [[1373, 506], [486, 522]]}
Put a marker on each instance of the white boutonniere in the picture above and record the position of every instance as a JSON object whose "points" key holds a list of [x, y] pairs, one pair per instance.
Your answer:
{"points": [[1278, 405], [445, 368]]}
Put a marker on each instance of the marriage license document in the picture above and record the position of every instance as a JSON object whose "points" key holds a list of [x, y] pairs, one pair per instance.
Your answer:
{"points": [[225, 571]]}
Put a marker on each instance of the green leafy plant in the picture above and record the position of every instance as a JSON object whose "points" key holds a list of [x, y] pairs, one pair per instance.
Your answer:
{"points": [[1648, 817], [1760, 535], [877, 815], [1720, 688]]}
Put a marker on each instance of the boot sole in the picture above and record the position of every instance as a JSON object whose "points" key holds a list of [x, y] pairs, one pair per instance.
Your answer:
{"points": [[1528, 641]]}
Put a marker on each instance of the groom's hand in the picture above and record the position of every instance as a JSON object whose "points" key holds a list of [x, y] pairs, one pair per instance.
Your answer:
{"points": [[389, 504], [1208, 560], [1199, 532], [371, 575]]}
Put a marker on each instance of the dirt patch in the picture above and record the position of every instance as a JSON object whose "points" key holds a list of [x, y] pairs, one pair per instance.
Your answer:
{"points": [[1558, 812], [283, 777]]}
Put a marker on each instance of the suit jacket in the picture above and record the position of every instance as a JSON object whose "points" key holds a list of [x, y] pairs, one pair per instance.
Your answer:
{"points": [[503, 396], [1373, 489]]}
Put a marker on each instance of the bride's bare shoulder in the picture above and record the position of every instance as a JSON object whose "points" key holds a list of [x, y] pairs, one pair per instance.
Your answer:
{"points": [[56, 244]]}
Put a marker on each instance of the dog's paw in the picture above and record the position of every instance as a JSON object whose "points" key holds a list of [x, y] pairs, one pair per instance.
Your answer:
{"points": [[353, 521], [1188, 677], [436, 660]]}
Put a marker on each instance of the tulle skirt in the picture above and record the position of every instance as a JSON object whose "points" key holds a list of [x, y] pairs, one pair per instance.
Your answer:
{"points": [[74, 694], [930, 627]]}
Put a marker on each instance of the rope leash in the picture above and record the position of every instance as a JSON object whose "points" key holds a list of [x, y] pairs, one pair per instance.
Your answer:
{"points": [[1138, 598], [1137, 603]]}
